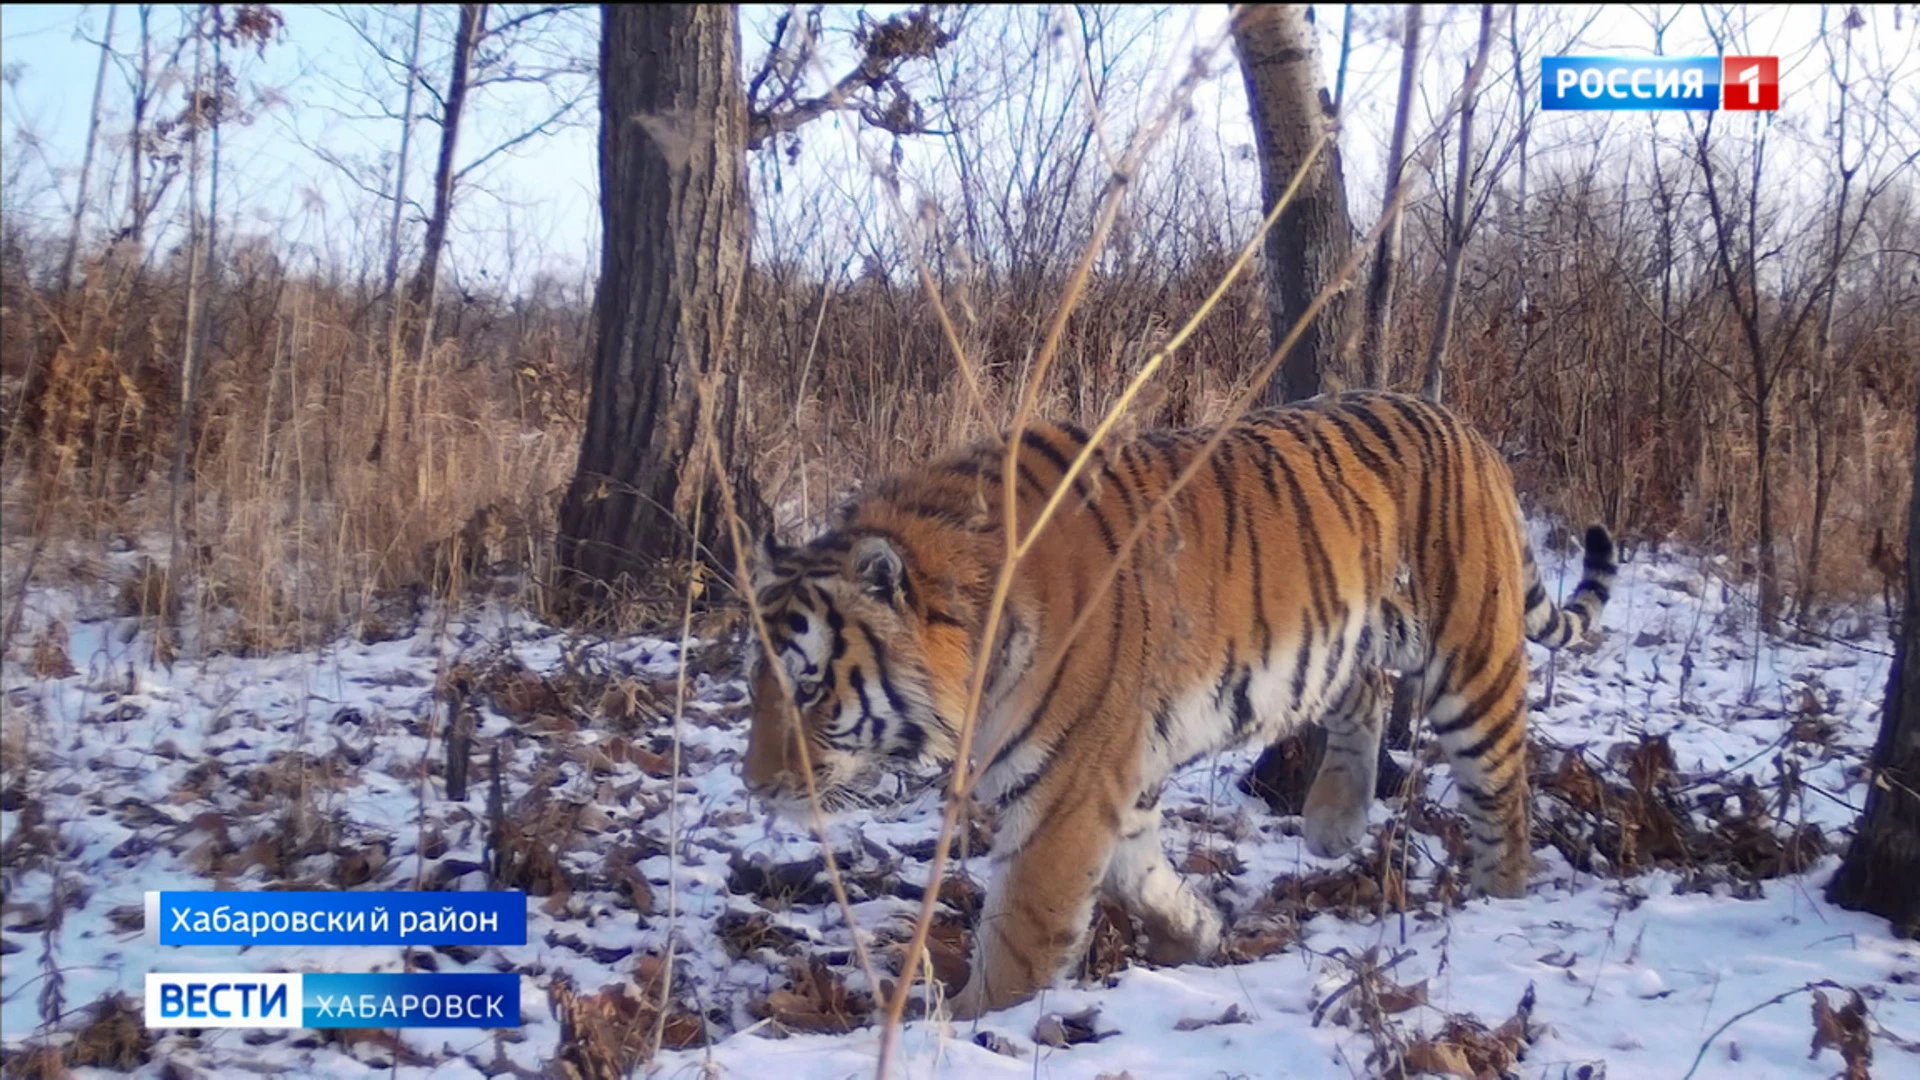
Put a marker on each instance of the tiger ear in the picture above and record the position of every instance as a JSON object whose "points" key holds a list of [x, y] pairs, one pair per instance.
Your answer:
{"points": [[766, 553], [878, 569]]}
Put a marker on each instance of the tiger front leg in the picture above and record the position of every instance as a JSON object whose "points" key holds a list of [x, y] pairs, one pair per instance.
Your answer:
{"points": [[1342, 792], [1040, 902]]}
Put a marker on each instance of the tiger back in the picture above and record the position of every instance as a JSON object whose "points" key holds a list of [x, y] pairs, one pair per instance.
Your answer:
{"points": [[1317, 545]]}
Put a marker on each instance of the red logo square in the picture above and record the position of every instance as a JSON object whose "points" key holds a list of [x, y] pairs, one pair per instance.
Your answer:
{"points": [[1750, 83]]}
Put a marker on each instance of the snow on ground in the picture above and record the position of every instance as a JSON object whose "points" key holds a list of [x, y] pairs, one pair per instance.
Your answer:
{"points": [[234, 772]]}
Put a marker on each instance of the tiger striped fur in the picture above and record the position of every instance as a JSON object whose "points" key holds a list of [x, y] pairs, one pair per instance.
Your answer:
{"points": [[1320, 544]]}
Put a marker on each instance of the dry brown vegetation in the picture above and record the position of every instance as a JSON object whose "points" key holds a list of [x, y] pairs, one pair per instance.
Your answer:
{"points": [[293, 533], [296, 535]]}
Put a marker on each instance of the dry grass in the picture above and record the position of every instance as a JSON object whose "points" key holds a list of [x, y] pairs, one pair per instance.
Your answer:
{"points": [[110, 1035], [606, 1035], [295, 535]]}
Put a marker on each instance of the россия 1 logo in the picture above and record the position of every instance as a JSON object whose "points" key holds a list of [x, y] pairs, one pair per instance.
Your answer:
{"points": [[1750, 83], [1663, 82]]}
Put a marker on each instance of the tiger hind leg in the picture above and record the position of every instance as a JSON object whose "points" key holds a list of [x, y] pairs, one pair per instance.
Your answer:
{"points": [[1182, 926], [1342, 792], [1481, 724], [1040, 902]]}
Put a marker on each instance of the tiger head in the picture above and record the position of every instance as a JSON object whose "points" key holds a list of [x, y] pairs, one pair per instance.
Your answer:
{"points": [[849, 631]]}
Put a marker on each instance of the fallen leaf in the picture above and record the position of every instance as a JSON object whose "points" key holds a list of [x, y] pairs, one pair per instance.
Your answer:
{"points": [[1213, 862], [1071, 1029], [50, 654], [1398, 999], [1844, 1029], [1233, 1015], [1447, 1059], [1251, 941], [819, 1002], [652, 764]]}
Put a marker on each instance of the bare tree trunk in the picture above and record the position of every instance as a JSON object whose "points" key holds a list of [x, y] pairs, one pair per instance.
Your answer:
{"points": [[179, 499], [673, 206], [1378, 341], [1290, 112], [86, 156], [1762, 464], [422, 290], [1457, 240], [1665, 197], [210, 259], [1664, 357], [1883, 861], [390, 289], [1823, 377], [1526, 129], [1760, 396], [1346, 54], [136, 145]]}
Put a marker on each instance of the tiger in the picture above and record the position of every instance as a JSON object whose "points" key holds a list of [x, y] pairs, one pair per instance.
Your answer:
{"points": [[1319, 546]]}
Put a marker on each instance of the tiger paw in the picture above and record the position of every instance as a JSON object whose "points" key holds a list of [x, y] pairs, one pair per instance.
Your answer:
{"points": [[1336, 811], [1333, 831], [1505, 877], [1195, 942]]}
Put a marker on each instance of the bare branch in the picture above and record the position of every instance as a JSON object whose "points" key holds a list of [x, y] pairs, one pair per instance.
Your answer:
{"points": [[912, 35]]}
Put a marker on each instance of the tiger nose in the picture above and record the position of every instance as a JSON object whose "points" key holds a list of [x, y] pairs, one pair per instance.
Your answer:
{"points": [[767, 767], [764, 787]]}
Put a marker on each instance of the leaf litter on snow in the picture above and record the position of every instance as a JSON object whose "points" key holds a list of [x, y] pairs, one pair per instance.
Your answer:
{"points": [[1691, 794]]}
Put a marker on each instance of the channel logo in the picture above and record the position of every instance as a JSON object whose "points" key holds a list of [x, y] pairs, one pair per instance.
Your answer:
{"points": [[1707, 83], [229, 1000], [332, 1000]]}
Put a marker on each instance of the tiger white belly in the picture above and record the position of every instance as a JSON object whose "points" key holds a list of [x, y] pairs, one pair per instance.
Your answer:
{"points": [[1284, 689]]}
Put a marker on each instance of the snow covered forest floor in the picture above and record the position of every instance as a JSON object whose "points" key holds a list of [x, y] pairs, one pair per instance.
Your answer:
{"points": [[1694, 786]]}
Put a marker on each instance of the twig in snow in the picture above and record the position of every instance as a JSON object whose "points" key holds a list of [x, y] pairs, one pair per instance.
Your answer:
{"points": [[1744, 1013]]}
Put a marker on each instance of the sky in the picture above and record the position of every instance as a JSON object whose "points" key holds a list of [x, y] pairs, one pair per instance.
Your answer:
{"points": [[538, 200], [534, 208]]}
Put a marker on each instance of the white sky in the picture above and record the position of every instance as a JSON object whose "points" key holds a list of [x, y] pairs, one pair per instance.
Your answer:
{"points": [[539, 204]]}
